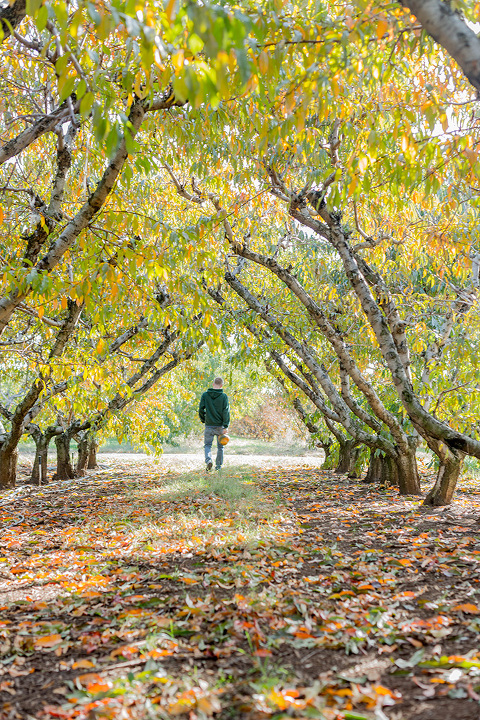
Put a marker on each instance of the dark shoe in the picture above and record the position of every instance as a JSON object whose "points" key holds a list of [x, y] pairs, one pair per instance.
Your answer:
{"points": [[218, 469], [209, 466]]}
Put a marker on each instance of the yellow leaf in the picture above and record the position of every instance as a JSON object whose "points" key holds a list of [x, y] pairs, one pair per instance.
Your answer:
{"points": [[2, 216], [277, 699], [177, 60], [352, 185], [169, 10]]}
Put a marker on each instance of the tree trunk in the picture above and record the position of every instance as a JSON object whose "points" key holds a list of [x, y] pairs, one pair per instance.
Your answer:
{"points": [[374, 470], [83, 454], [400, 472], [92, 454], [327, 449], [406, 474], [446, 482], [65, 470], [345, 456], [39, 470], [390, 473], [8, 467], [354, 470]]}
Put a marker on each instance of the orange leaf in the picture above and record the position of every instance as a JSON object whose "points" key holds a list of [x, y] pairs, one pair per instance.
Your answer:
{"points": [[158, 653], [381, 690], [278, 699], [89, 678], [382, 28], [302, 634], [83, 664], [95, 688], [90, 594], [17, 569], [181, 707], [469, 608], [48, 640]]}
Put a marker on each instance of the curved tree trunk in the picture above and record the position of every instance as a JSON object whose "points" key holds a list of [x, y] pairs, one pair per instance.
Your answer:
{"points": [[8, 466], [65, 470], [446, 482], [92, 454]]}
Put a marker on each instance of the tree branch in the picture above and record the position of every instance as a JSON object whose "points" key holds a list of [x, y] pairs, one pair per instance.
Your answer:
{"points": [[11, 15], [447, 27]]}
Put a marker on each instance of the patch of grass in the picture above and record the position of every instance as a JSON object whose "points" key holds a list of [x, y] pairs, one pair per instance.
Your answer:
{"points": [[230, 484], [196, 510]]}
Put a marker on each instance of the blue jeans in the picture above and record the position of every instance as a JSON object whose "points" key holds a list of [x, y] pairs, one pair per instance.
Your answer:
{"points": [[209, 434]]}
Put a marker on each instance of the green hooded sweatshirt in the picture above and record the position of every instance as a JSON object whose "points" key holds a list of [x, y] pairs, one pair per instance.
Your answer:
{"points": [[214, 408]]}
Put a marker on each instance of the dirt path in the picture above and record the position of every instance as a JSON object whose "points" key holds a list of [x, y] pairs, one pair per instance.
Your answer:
{"points": [[274, 591], [182, 462]]}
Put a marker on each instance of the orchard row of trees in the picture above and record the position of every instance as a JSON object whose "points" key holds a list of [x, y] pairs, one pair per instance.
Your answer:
{"points": [[296, 183]]}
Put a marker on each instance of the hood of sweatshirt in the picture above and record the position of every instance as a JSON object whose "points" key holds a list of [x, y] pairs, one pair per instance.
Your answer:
{"points": [[214, 392]]}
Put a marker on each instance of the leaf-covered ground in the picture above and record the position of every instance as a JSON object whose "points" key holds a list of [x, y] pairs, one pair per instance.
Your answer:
{"points": [[258, 593]]}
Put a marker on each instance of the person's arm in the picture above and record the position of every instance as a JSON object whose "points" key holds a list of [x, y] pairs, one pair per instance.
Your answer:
{"points": [[201, 409], [226, 413]]}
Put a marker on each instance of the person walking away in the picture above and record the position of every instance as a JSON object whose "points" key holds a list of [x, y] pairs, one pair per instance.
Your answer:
{"points": [[214, 411]]}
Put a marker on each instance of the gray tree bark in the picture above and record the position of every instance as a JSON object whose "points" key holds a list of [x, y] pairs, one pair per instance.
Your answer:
{"points": [[446, 26], [65, 469]]}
